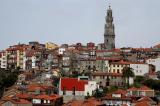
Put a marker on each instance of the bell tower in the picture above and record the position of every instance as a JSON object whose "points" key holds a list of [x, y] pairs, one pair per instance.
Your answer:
{"points": [[109, 34]]}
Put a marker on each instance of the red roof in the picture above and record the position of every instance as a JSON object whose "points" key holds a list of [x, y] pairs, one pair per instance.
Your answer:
{"points": [[144, 88], [142, 104], [132, 89], [119, 92], [16, 100], [23, 95], [39, 87], [46, 97], [143, 99], [21, 101], [69, 84], [87, 102]]}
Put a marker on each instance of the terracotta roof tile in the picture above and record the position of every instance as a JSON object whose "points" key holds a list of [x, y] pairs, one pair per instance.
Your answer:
{"points": [[144, 88], [132, 89], [142, 104], [46, 97], [23, 95]]}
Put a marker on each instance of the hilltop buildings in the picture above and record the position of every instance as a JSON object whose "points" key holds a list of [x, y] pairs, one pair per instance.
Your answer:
{"points": [[47, 69]]}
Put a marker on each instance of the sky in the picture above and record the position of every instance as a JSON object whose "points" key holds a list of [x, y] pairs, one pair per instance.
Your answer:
{"points": [[137, 22]]}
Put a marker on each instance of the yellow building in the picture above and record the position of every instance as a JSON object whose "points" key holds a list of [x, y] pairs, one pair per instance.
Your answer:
{"points": [[51, 46]]}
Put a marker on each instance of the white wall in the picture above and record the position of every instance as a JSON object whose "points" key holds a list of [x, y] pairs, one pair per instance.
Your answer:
{"points": [[33, 62], [140, 69], [36, 101], [155, 62], [4, 60], [61, 50], [91, 86]]}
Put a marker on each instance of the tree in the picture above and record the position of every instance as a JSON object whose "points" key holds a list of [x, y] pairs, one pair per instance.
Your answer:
{"points": [[158, 74], [139, 80], [154, 84], [127, 73], [7, 79]]}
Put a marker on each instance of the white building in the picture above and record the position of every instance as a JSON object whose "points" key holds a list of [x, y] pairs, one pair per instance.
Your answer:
{"points": [[139, 69], [155, 62], [74, 88], [61, 50], [33, 62], [90, 88], [4, 59]]}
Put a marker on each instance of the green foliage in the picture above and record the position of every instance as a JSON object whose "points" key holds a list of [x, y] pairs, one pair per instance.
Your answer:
{"points": [[105, 90], [127, 72], [154, 84], [97, 93], [113, 88], [138, 81], [7, 79]]}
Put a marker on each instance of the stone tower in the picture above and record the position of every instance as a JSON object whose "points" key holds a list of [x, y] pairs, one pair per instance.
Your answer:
{"points": [[109, 34]]}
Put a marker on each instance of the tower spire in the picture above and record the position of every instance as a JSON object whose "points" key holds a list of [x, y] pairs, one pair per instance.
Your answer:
{"points": [[109, 34]]}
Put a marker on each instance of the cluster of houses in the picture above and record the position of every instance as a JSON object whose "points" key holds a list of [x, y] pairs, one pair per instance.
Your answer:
{"points": [[73, 92], [78, 58], [92, 67]]}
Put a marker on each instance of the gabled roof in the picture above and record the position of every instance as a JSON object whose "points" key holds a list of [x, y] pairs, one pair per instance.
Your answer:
{"points": [[148, 99], [132, 89], [69, 83], [142, 104], [144, 88], [119, 92], [88, 102]]}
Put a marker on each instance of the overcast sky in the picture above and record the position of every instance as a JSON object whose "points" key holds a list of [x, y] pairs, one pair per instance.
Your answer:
{"points": [[137, 22]]}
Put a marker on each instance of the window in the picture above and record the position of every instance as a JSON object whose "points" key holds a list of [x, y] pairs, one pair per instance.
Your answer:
{"points": [[48, 101], [64, 90], [113, 70], [117, 70], [74, 89]]}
